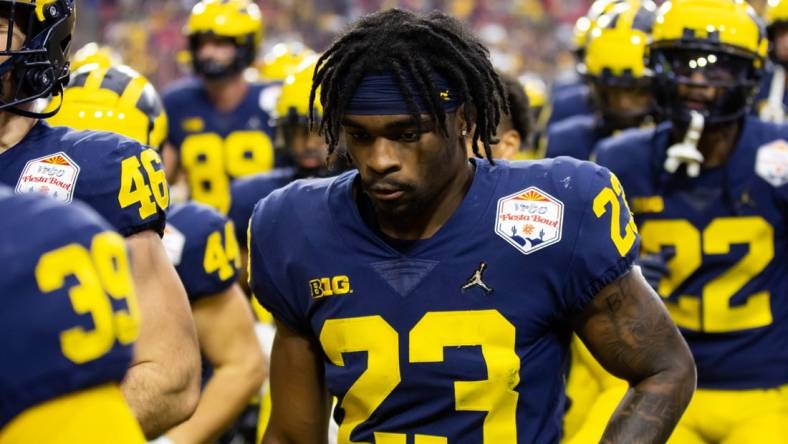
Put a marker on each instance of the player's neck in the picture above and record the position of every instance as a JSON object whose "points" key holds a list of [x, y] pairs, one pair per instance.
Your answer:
{"points": [[716, 143], [13, 128], [432, 216], [227, 94]]}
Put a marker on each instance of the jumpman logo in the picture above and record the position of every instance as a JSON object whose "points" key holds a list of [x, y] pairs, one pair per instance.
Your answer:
{"points": [[476, 280]]}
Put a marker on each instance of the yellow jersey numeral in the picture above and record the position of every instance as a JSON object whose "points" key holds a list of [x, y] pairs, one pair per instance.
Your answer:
{"points": [[210, 162], [224, 257], [495, 395], [713, 312], [613, 197], [135, 190], [102, 271]]}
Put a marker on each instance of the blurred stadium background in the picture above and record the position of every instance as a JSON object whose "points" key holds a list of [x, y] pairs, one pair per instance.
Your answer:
{"points": [[523, 35]]}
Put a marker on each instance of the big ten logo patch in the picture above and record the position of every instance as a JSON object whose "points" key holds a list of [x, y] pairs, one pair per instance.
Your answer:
{"points": [[334, 286], [529, 220]]}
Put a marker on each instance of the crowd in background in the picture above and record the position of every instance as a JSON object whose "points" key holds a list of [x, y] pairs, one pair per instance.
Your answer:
{"points": [[523, 35]]}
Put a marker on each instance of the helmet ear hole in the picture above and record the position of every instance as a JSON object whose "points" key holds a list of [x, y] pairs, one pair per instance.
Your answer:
{"points": [[39, 79]]}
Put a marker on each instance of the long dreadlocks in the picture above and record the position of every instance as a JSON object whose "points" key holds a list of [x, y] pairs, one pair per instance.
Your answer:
{"points": [[411, 47]]}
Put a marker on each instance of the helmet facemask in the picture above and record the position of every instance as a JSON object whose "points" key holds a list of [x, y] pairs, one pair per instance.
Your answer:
{"points": [[684, 76], [33, 50]]}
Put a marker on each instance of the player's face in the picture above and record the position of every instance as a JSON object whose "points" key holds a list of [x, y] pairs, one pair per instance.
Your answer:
{"points": [[218, 50], [308, 149], [402, 169], [705, 76], [626, 101], [781, 43], [17, 40], [699, 95]]}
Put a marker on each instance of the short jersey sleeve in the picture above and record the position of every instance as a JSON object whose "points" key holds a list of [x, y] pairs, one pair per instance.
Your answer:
{"points": [[128, 187], [607, 241], [201, 244], [266, 256], [70, 315]]}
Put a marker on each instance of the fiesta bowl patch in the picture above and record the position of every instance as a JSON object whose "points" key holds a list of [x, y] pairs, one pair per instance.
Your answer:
{"points": [[529, 219], [771, 164], [54, 175]]}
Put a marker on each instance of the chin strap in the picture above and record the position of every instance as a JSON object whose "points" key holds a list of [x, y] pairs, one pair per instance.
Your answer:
{"points": [[686, 152], [38, 115], [774, 111]]}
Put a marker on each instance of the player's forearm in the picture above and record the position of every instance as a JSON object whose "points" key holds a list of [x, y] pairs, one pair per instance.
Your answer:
{"points": [[159, 400], [651, 409], [223, 399], [162, 385]]}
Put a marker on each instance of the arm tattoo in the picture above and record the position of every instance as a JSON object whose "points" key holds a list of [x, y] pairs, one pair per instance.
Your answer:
{"points": [[629, 331]]}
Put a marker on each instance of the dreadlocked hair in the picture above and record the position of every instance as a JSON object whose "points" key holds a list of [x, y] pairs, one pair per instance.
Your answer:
{"points": [[411, 47]]}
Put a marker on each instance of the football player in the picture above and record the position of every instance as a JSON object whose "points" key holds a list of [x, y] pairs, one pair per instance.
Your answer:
{"points": [[573, 98], [514, 129], [307, 151], [201, 244], [615, 69], [220, 126], [772, 99], [69, 321], [709, 190], [432, 294], [121, 179]]}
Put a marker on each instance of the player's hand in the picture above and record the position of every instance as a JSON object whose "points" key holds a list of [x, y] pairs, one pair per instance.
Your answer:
{"points": [[654, 266]]}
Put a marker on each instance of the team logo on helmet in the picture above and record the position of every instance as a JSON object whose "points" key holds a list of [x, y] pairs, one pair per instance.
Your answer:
{"points": [[529, 220]]}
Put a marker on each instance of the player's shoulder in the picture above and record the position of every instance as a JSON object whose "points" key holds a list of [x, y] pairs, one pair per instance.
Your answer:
{"points": [[757, 132], [92, 146], [85, 158], [577, 124], [632, 149], [189, 225], [196, 216], [565, 178], [181, 90], [260, 185], [303, 201], [32, 222]]}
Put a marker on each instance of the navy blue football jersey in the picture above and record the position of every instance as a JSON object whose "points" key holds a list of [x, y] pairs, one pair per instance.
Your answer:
{"points": [[725, 234], [248, 191], [69, 316], [762, 96], [570, 102], [574, 137], [464, 336], [120, 179], [215, 148], [562, 85], [201, 244]]}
